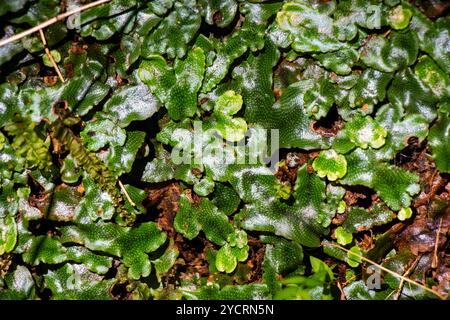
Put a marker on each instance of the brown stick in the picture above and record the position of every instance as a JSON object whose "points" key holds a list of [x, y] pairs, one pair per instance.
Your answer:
{"points": [[406, 274], [51, 21], [50, 56], [434, 262]]}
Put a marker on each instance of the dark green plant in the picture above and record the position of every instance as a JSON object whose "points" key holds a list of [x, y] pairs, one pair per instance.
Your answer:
{"points": [[98, 190]]}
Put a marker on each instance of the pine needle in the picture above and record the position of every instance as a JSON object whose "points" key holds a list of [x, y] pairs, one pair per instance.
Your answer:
{"points": [[406, 274], [343, 297], [434, 262], [50, 56], [387, 270], [122, 187]]}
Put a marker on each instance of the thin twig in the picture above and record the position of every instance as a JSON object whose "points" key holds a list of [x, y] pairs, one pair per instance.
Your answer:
{"points": [[386, 270], [122, 187], [434, 262], [353, 277], [406, 274], [343, 297], [389, 295], [51, 21], [50, 56]]}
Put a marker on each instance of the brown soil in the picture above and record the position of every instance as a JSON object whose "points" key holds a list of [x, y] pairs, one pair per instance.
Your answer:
{"points": [[427, 234], [217, 17], [421, 235], [288, 171], [40, 200], [432, 206], [341, 270], [256, 258], [165, 199], [339, 219], [351, 198], [5, 264], [328, 130], [442, 276], [330, 125], [192, 259], [434, 8]]}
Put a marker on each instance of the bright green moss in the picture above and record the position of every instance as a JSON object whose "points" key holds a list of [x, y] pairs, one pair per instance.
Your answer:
{"points": [[365, 132], [8, 234], [56, 57], [231, 129], [404, 213], [330, 164], [343, 237], [354, 256], [399, 17]]}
